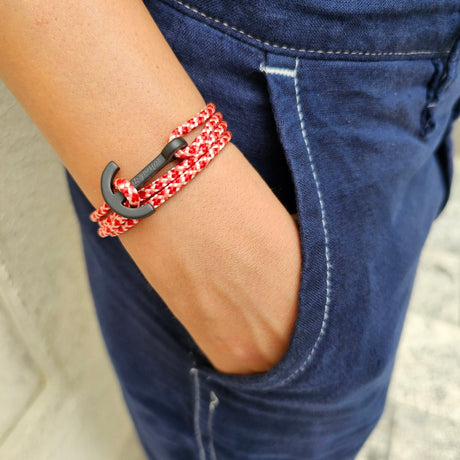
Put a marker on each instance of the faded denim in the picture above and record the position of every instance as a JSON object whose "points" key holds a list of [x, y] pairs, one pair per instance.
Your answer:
{"points": [[345, 109]]}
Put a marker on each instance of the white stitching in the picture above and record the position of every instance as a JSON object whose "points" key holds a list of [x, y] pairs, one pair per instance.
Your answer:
{"points": [[311, 51], [212, 407], [196, 415], [325, 230], [277, 70]]}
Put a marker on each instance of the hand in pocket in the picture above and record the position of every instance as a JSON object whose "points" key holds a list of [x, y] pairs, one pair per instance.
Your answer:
{"points": [[231, 271]]}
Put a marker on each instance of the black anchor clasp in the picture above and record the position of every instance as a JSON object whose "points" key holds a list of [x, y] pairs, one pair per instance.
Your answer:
{"points": [[116, 200]]}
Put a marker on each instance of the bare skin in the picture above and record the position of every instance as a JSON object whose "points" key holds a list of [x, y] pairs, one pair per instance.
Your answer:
{"points": [[101, 83]]}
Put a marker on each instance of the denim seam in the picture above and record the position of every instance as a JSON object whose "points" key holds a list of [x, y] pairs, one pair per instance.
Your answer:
{"points": [[293, 73], [312, 51], [214, 401], [196, 414]]}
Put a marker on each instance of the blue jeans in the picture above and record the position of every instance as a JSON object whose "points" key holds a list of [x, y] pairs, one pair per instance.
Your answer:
{"points": [[346, 112]]}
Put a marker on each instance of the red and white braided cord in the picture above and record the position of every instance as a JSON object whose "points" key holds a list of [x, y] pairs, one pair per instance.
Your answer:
{"points": [[211, 140]]}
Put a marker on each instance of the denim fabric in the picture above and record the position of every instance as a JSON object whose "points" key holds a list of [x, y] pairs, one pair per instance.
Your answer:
{"points": [[345, 110]]}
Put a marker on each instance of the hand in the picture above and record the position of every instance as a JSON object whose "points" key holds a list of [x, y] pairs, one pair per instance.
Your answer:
{"points": [[230, 267]]}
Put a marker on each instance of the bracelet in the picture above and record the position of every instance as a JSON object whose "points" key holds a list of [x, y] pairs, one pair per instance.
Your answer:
{"points": [[128, 201]]}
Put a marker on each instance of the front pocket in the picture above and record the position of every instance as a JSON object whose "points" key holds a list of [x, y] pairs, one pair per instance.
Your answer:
{"points": [[367, 190], [316, 270]]}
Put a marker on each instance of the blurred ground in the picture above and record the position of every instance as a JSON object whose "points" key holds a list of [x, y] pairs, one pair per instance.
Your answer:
{"points": [[422, 416]]}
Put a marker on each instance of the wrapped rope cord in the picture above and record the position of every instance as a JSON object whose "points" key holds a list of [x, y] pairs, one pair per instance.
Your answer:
{"points": [[211, 140]]}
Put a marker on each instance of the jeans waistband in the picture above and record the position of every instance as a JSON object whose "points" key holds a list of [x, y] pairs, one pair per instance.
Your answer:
{"points": [[366, 30]]}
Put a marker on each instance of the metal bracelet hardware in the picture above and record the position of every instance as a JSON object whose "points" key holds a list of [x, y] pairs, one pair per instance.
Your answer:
{"points": [[116, 199]]}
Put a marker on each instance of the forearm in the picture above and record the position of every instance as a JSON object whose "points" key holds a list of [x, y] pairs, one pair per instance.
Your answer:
{"points": [[101, 83]]}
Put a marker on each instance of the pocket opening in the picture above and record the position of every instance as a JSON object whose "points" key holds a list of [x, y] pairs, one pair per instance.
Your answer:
{"points": [[314, 293]]}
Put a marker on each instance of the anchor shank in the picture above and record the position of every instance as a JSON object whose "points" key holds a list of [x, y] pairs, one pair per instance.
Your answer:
{"points": [[166, 155]]}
